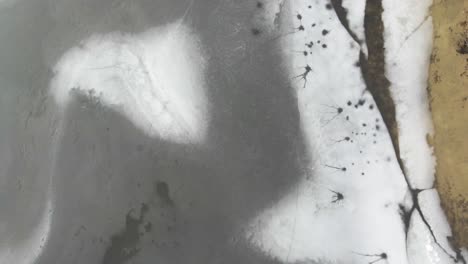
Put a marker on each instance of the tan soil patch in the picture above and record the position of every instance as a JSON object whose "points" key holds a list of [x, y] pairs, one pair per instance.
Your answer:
{"points": [[448, 86]]}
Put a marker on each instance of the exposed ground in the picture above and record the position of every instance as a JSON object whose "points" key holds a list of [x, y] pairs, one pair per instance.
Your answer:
{"points": [[448, 90]]}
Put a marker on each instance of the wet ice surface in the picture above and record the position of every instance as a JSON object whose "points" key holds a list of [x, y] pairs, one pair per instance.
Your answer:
{"points": [[212, 132]]}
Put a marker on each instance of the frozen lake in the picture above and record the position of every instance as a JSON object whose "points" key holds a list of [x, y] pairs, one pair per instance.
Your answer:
{"points": [[217, 131]]}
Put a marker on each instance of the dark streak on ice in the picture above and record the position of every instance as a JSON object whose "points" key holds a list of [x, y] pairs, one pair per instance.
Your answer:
{"points": [[341, 12], [124, 244]]}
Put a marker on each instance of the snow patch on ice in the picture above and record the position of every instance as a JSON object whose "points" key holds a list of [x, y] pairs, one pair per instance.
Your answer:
{"points": [[408, 45], [155, 78], [351, 151]]}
